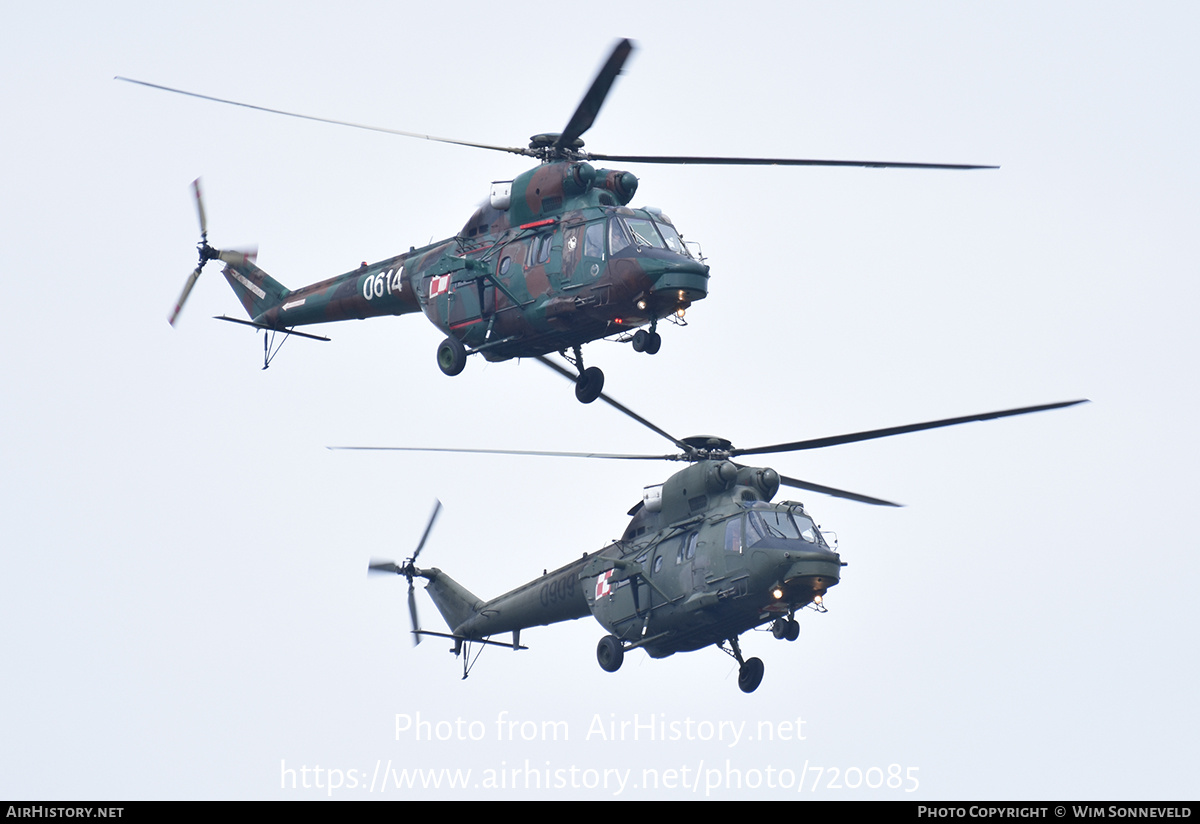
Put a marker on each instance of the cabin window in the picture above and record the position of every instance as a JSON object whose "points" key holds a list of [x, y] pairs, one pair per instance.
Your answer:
{"points": [[504, 264], [539, 249], [658, 563], [687, 548]]}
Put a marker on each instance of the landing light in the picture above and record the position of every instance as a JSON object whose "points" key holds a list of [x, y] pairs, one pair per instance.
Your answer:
{"points": [[817, 600], [679, 312], [777, 593], [641, 304]]}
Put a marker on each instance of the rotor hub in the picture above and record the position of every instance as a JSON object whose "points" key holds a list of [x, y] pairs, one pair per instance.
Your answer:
{"points": [[708, 447], [545, 146]]}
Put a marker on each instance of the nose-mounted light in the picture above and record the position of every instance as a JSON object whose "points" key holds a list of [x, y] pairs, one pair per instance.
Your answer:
{"points": [[641, 305], [777, 593]]}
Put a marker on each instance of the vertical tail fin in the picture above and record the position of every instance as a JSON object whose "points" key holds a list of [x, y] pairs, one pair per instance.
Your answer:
{"points": [[452, 599], [257, 290]]}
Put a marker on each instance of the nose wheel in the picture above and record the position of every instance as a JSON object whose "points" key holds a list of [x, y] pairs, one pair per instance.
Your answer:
{"points": [[648, 342], [786, 628]]}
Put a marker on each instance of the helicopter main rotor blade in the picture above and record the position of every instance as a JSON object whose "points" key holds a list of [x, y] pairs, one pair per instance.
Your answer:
{"points": [[510, 149], [589, 107], [778, 161], [834, 492], [620, 407], [871, 434]]}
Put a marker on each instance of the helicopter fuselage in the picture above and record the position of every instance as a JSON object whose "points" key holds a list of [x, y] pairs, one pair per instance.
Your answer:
{"points": [[705, 558], [554, 259]]}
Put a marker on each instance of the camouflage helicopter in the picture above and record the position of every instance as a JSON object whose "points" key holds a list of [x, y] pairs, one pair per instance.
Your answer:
{"points": [[706, 557], [554, 259]]}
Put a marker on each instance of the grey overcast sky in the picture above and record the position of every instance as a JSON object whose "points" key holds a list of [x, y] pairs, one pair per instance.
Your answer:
{"points": [[186, 612]]}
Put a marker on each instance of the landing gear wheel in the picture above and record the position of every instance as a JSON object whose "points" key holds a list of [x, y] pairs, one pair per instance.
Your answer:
{"points": [[792, 629], [639, 340], [588, 385], [653, 343], [779, 628], [451, 356], [750, 675], [610, 654]]}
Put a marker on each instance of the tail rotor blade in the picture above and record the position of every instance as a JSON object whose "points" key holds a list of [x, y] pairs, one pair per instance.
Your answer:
{"points": [[187, 290], [248, 253], [412, 614], [384, 566], [200, 208], [437, 508]]}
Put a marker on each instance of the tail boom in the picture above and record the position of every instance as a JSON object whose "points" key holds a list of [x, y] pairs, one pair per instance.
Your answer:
{"points": [[368, 291], [554, 597]]}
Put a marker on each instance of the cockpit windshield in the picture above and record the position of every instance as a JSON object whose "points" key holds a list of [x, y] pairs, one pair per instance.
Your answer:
{"points": [[674, 241], [773, 523], [654, 234]]}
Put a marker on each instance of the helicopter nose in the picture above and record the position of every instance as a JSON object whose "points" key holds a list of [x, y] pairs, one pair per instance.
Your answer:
{"points": [[680, 278], [801, 570]]}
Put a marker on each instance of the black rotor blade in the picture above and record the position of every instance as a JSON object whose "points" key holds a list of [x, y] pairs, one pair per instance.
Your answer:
{"points": [[620, 407], [437, 508], [534, 452], [384, 566], [510, 149], [589, 107], [835, 492], [871, 434], [778, 161]]}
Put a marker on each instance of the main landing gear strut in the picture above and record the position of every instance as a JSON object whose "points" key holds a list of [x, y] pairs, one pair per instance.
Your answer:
{"points": [[750, 673], [590, 382], [610, 653], [451, 356]]}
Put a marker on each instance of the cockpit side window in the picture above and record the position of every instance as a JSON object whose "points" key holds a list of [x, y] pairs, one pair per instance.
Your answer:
{"points": [[618, 235], [593, 240], [733, 535]]}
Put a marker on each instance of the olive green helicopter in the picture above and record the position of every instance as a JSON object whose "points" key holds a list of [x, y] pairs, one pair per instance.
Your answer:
{"points": [[706, 557], [553, 259]]}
